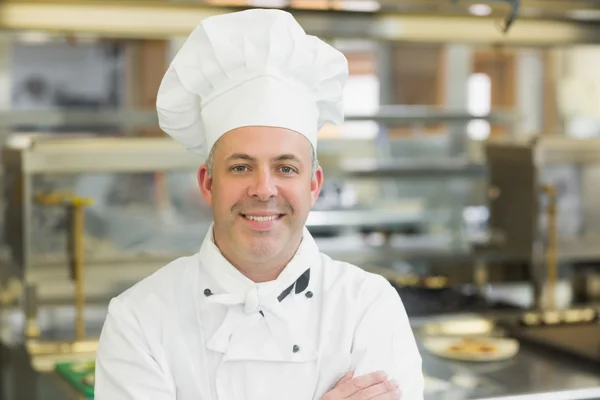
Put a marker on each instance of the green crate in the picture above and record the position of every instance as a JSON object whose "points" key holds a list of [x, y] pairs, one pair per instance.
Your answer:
{"points": [[76, 373]]}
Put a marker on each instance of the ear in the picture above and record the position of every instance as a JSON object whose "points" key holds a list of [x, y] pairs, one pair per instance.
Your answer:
{"points": [[205, 184], [315, 186]]}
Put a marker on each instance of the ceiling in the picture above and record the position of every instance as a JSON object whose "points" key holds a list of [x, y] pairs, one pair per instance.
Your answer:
{"points": [[539, 22], [534, 9]]}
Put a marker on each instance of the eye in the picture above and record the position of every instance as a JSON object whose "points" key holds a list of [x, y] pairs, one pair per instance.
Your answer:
{"points": [[287, 170], [239, 168]]}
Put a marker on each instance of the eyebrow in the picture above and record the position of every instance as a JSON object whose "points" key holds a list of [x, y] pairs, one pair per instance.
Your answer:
{"points": [[287, 157], [240, 156], [246, 157]]}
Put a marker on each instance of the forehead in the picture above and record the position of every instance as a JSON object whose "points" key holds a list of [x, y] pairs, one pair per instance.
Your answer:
{"points": [[259, 142]]}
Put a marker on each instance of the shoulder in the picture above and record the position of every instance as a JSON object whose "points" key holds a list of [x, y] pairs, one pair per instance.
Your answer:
{"points": [[346, 279], [158, 289]]}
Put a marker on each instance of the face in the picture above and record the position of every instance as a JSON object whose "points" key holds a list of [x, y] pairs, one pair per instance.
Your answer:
{"points": [[261, 192]]}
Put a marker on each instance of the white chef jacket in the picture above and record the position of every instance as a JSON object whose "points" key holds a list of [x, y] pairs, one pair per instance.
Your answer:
{"points": [[198, 329]]}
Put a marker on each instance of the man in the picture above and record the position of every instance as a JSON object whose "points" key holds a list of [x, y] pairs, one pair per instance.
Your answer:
{"points": [[258, 312]]}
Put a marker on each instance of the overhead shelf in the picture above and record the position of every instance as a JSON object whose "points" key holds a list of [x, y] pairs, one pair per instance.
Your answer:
{"points": [[163, 20], [65, 153], [75, 118], [551, 149], [410, 115], [418, 169], [393, 115], [364, 218]]}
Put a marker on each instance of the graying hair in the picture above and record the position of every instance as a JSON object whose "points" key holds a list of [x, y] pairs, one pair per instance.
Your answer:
{"points": [[211, 158]]}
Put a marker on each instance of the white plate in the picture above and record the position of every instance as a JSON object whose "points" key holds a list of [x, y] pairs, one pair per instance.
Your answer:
{"points": [[440, 346], [460, 327]]}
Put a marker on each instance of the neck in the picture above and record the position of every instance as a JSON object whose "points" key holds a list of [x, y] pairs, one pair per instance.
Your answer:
{"points": [[261, 272], [258, 271]]}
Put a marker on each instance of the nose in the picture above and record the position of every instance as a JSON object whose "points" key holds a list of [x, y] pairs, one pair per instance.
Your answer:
{"points": [[263, 186]]}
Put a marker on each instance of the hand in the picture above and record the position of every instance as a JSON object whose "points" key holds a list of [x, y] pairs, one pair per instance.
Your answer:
{"points": [[374, 386]]}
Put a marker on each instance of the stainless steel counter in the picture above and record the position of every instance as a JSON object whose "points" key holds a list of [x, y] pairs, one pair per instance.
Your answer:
{"points": [[532, 372]]}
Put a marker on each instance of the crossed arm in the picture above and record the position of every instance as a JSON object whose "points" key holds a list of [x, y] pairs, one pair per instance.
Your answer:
{"points": [[387, 364]]}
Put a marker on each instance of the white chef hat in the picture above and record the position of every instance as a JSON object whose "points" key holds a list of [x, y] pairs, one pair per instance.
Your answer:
{"points": [[251, 68]]}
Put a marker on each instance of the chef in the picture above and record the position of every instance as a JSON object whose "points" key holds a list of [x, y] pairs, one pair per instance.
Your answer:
{"points": [[258, 313]]}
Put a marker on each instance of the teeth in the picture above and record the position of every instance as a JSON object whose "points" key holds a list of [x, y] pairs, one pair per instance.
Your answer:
{"points": [[261, 219]]}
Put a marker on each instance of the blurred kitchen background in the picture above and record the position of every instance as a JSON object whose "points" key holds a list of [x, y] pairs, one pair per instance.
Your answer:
{"points": [[467, 173]]}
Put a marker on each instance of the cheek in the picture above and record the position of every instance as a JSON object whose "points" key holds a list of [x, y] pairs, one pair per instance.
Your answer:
{"points": [[226, 194], [297, 196]]}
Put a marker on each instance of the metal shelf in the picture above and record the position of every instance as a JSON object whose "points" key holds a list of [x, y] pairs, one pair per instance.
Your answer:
{"points": [[418, 169], [363, 218], [77, 118], [396, 115], [50, 154], [390, 114], [160, 19]]}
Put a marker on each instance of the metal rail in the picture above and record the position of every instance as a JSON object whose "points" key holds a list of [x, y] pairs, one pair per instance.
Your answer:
{"points": [[161, 19], [392, 115]]}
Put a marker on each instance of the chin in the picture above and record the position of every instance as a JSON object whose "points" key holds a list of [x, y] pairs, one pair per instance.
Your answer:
{"points": [[263, 249]]}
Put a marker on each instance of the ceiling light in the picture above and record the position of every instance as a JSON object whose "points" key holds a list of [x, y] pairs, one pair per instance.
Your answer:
{"points": [[268, 3], [34, 37], [583, 15], [480, 10], [360, 5]]}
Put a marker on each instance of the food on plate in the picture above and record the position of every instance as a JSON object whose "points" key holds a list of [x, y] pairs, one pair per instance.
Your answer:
{"points": [[473, 346]]}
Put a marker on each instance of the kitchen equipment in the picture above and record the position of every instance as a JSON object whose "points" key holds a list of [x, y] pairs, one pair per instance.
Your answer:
{"points": [[424, 301], [586, 286], [580, 340], [570, 316]]}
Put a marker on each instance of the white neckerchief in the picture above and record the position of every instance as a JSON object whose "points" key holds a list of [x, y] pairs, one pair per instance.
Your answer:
{"points": [[256, 300]]}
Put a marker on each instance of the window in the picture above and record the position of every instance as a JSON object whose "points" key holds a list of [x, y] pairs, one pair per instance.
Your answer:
{"points": [[479, 103], [361, 96]]}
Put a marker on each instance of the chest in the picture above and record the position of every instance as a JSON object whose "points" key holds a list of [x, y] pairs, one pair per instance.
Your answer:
{"points": [[250, 366]]}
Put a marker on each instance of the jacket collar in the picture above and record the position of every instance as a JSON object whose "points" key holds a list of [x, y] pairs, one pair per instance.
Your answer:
{"points": [[232, 289], [230, 280]]}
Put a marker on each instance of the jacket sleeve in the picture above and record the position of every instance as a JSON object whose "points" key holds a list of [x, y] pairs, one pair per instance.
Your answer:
{"points": [[125, 366], [384, 341]]}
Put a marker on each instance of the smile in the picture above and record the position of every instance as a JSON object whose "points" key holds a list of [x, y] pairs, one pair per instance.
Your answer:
{"points": [[262, 218]]}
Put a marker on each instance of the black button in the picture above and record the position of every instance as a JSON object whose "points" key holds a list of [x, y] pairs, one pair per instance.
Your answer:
{"points": [[296, 348], [309, 294], [207, 292]]}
